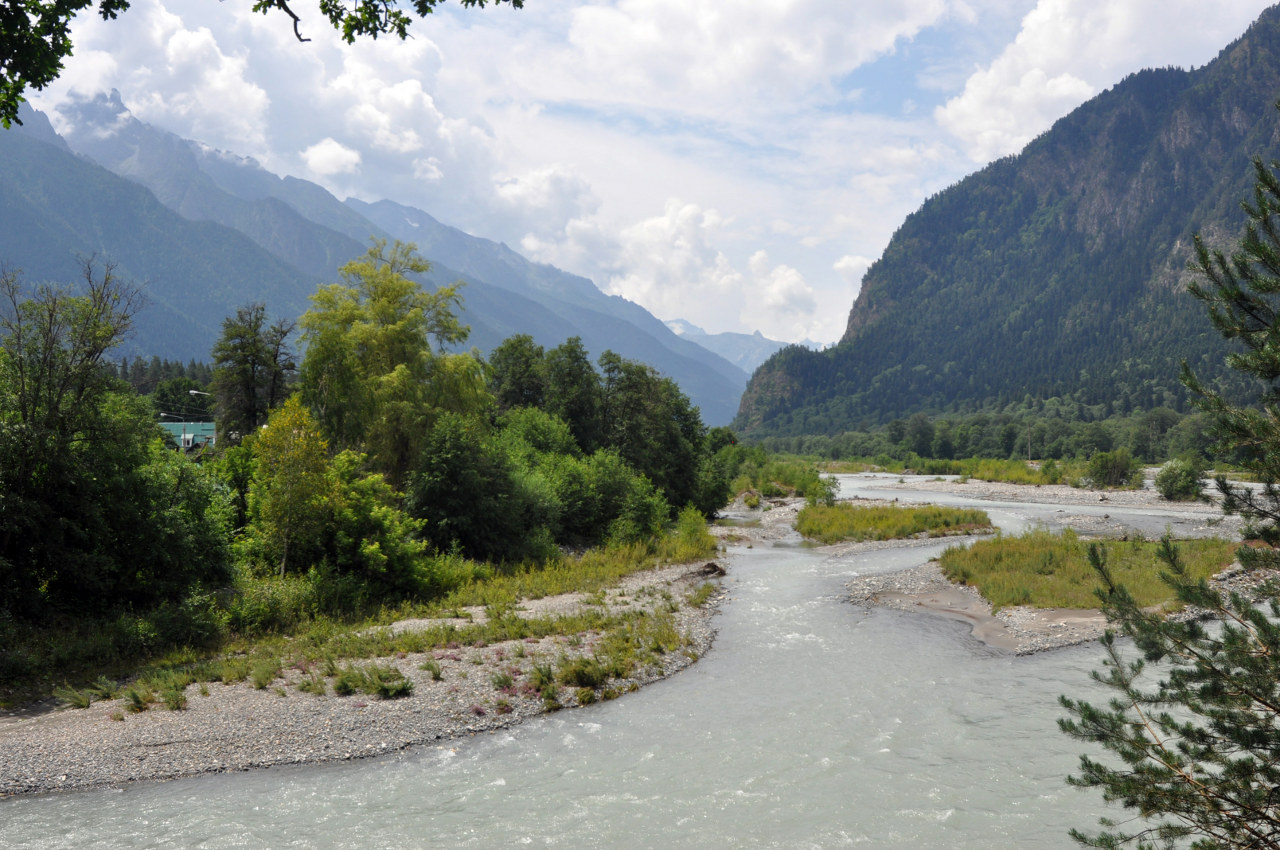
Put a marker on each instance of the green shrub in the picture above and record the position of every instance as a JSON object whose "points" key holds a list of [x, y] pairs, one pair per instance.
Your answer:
{"points": [[313, 684], [138, 698], [1179, 479], [433, 667], [264, 672], [384, 682], [1113, 469], [174, 699], [72, 697]]}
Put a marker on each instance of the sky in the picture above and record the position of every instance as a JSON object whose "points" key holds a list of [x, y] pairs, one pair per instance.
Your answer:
{"points": [[737, 164]]}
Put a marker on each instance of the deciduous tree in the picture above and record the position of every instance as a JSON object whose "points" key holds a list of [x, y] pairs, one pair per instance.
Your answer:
{"points": [[376, 369], [93, 514], [253, 364], [290, 492]]}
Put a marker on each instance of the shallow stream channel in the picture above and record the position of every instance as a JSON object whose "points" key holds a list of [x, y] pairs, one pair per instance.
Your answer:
{"points": [[812, 723]]}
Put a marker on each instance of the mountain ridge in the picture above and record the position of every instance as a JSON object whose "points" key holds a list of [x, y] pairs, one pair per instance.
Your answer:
{"points": [[307, 234], [1059, 271]]}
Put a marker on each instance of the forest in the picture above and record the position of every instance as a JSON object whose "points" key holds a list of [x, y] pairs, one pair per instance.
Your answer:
{"points": [[361, 461]]}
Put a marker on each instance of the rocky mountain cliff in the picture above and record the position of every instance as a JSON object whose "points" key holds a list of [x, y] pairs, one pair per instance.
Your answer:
{"points": [[1060, 271]]}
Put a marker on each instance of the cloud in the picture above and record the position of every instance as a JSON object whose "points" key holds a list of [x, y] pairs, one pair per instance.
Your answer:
{"points": [[732, 56], [669, 261], [547, 199], [1068, 50], [328, 157], [851, 269], [567, 129]]}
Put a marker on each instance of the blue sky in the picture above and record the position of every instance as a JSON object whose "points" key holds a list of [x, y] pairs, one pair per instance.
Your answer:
{"points": [[734, 163]]}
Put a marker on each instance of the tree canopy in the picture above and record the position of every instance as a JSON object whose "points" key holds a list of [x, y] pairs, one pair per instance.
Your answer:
{"points": [[376, 370], [35, 38], [93, 511]]}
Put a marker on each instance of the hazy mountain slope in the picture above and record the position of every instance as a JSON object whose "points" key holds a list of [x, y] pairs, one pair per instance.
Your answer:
{"points": [[178, 173], [746, 351], [305, 227], [56, 207], [1059, 271], [603, 321]]}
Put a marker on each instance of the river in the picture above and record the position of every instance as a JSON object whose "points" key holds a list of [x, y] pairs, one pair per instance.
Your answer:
{"points": [[812, 723]]}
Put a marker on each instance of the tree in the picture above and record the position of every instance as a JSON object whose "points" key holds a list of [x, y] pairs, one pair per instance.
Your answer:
{"points": [[472, 496], [183, 397], [290, 492], [573, 392], [93, 513], [36, 37], [1241, 293], [651, 423], [518, 373], [1198, 747], [376, 371], [1179, 479], [1114, 469], [253, 365]]}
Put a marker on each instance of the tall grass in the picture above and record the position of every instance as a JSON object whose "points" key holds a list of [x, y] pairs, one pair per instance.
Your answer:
{"points": [[886, 522], [1048, 570]]}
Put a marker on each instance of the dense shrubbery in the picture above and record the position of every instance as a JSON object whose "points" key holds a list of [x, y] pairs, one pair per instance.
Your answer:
{"points": [[94, 514]]}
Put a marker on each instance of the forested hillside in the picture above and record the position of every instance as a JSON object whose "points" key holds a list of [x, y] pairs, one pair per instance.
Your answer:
{"points": [[1058, 272]]}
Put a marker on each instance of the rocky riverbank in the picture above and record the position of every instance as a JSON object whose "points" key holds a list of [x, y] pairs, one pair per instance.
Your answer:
{"points": [[238, 727]]}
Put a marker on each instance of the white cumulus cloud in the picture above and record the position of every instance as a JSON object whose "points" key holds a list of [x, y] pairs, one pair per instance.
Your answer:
{"points": [[328, 157], [1069, 50]]}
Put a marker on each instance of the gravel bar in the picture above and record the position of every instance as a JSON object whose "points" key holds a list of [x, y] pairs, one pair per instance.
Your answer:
{"points": [[237, 727]]}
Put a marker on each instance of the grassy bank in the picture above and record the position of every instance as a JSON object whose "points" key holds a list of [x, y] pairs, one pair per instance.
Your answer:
{"points": [[1052, 570], [264, 625], [836, 523]]}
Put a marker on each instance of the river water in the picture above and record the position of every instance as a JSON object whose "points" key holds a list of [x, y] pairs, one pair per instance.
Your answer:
{"points": [[812, 723]]}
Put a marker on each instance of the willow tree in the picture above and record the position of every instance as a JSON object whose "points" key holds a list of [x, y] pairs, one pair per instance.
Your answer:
{"points": [[376, 367]]}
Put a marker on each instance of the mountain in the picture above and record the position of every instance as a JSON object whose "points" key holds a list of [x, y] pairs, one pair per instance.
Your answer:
{"points": [[1060, 271], [299, 233], [746, 351], [57, 208]]}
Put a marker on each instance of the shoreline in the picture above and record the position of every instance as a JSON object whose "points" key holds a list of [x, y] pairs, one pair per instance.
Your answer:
{"points": [[237, 727]]}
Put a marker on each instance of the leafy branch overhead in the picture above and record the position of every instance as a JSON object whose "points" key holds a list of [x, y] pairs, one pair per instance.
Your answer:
{"points": [[35, 38]]}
